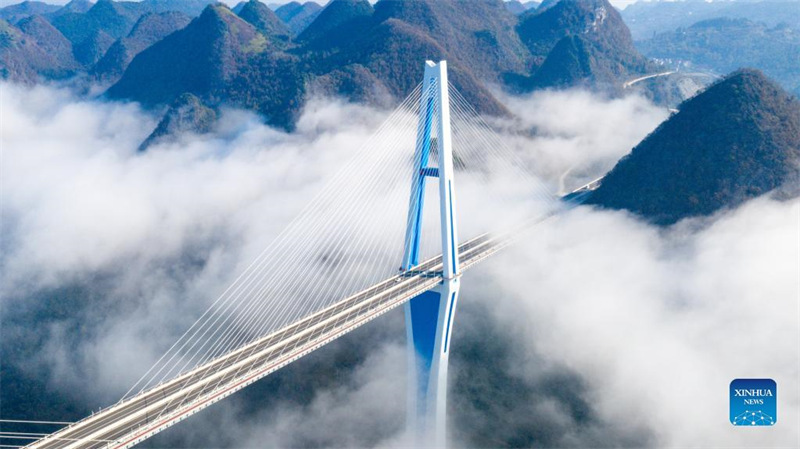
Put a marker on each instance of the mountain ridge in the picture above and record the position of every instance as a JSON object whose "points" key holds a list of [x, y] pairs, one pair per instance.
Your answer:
{"points": [[149, 29], [579, 42], [228, 60], [264, 20], [351, 50], [738, 139], [298, 16]]}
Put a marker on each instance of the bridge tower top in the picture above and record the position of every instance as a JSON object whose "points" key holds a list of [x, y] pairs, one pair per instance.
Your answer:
{"points": [[433, 129]]}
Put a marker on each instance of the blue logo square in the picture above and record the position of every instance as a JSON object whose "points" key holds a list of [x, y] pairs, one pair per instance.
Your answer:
{"points": [[754, 402]]}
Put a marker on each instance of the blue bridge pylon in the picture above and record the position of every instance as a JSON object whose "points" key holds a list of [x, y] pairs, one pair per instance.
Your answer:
{"points": [[429, 317]]}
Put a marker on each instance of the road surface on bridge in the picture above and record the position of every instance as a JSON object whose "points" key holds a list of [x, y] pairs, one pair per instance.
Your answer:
{"points": [[128, 422]]}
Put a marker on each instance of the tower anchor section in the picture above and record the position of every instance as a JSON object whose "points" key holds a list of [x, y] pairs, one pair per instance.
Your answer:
{"points": [[429, 316]]}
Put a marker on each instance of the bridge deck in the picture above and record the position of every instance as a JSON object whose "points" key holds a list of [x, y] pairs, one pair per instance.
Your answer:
{"points": [[128, 422]]}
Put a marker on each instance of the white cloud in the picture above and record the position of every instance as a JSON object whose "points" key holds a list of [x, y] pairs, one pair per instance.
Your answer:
{"points": [[171, 227], [659, 322], [646, 317], [576, 136]]}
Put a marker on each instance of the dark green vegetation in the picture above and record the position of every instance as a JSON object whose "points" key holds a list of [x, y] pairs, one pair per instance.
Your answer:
{"points": [[271, 62], [150, 28], [333, 24], [260, 16], [298, 16], [34, 50], [350, 50], [267, 62], [580, 42], [26, 391], [217, 56], [110, 31], [186, 114], [15, 13], [723, 45], [93, 32], [74, 6], [479, 35], [737, 140]]}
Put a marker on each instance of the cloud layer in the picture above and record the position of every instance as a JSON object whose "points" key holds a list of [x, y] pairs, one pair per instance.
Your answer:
{"points": [[595, 330], [658, 322]]}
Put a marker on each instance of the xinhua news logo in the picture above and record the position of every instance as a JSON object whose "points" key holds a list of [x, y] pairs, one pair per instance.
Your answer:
{"points": [[754, 402]]}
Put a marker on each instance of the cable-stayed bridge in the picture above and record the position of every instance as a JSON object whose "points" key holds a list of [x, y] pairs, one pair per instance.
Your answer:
{"points": [[361, 248]]}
